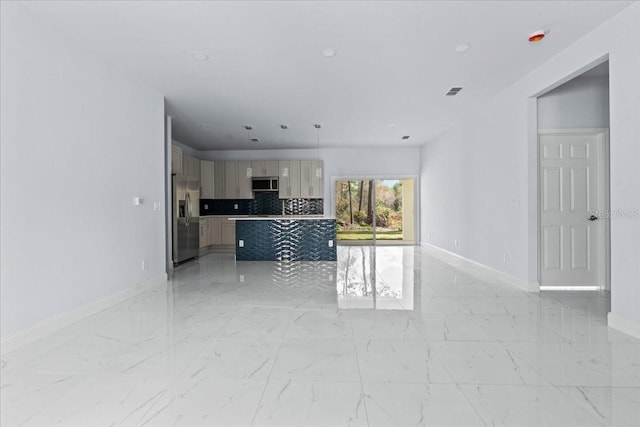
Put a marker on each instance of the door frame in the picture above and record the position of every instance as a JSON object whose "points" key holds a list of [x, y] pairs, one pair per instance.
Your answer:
{"points": [[416, 199], [604, 250]]}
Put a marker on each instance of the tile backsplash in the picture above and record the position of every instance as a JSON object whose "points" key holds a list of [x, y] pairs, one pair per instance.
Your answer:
{"points": [[264, 203]]}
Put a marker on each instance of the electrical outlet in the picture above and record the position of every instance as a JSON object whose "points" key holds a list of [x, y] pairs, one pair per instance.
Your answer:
{"points": [[241, 243], [330, 243], [455, 242], [235, 206], [156, 206], [206, 206], [241, 278], [504, 257], [143, 264]]}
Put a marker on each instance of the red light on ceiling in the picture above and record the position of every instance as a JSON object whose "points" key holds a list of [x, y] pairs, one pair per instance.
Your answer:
{"points": [[537, 36]]}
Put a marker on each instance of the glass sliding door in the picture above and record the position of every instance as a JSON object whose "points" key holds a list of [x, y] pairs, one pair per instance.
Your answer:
{"points": [[388, 224], [375, 211]]}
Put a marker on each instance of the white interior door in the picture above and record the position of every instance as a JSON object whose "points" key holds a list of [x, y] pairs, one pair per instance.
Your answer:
{"points": [[572, 228]]}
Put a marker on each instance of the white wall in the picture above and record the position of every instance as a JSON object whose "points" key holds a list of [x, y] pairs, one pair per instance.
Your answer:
{"points": [[479, 179], [338, 162], [580, 103], [78, 142]]}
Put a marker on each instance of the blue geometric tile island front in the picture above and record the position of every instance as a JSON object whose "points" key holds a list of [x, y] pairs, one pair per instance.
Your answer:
{"points": [[286, 239]]}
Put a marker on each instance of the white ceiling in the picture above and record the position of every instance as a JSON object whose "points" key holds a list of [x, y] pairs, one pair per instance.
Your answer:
{"points": [[395, 62]]}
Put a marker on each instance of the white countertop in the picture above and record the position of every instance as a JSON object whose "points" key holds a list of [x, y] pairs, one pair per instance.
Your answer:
{"points": [[285, 217], [225, 216]]}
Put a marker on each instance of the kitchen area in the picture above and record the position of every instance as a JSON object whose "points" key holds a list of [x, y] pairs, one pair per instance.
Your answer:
{"points": [[261, 209]]}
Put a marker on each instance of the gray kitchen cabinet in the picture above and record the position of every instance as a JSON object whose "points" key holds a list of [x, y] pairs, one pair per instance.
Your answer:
{"points": [[271, 168], [190, 166], [237, 180], [289, 179], [245, 174], [264, 168], [215, 230], [230, 180], [219, 176], [195, 167], [186, 164], [221, 231], [204, 234], [207, 179], [176, 159], [228, 232], [311, 179]]}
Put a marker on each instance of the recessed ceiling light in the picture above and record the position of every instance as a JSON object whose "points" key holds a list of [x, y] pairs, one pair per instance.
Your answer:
{"points": [[200, 56], [283, 126], [463, 47], [255, 140], [406, 137], [248, 127], [329, 52], [392, 124], [317, 126]]}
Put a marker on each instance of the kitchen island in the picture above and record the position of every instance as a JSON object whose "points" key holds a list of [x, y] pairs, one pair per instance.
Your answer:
{"points": [[290, 238]]}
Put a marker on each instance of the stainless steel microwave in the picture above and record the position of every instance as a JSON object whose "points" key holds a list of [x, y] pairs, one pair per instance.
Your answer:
{"points": [[264, 184]]}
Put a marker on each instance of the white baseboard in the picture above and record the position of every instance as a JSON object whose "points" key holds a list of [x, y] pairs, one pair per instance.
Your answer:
{"points": [[623, 325], [56, 323], [479, 270]]}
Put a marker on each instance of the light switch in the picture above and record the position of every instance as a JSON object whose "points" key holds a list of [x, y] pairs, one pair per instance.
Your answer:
{"points": [[137, 200], [241, 243]]}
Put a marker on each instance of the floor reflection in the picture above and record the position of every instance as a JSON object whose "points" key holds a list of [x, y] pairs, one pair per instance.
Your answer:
{"points": [[375, 277]]}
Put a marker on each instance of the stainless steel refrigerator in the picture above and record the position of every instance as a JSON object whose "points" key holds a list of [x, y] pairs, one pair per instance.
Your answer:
{"points": [[186, 217]]}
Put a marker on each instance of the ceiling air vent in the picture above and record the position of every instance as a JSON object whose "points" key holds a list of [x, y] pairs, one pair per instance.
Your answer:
{"points": [[255, 140], [453, 91], [405, 137]]}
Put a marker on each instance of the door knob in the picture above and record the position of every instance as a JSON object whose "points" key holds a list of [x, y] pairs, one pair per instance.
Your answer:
{"points": [[593, 218]]}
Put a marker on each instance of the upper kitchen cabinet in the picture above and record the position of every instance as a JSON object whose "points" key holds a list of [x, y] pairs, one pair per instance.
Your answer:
{"points": [[311, 181], [230, 180], [207, 180], [176, 159], [219, 185], [190, 166], [245, 172], [289, 179], [237, 180], [264, 168]]}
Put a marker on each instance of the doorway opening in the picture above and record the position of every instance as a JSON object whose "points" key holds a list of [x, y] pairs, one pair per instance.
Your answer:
{"points": [[573, 183], [375, 211]]}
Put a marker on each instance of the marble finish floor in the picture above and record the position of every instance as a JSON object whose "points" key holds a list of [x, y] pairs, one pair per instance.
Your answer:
{"points": [[384, 337]]}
